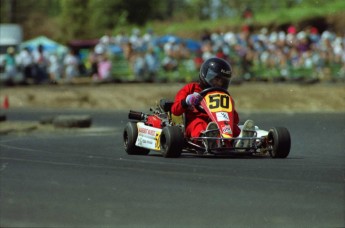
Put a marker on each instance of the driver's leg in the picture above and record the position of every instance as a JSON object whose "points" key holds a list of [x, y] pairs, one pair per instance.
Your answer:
{"points": [[196, 127], [247, 131]]}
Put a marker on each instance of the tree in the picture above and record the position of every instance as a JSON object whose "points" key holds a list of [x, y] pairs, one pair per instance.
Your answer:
{"points": [[139, 11], [74, 19], [106, 15]]}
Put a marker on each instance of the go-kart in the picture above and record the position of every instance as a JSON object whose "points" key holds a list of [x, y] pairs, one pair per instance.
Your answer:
{"points": [[163, 132]]}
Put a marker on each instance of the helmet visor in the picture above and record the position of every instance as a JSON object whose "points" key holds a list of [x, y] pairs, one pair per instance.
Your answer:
{"points": [[216, 80]]}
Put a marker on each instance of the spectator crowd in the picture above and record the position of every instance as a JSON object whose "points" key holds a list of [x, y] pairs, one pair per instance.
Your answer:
{"points": [[262, 55]]}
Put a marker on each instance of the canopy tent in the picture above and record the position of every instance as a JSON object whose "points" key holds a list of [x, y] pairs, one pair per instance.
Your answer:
{"points": [[49, 45], [191, 44]]}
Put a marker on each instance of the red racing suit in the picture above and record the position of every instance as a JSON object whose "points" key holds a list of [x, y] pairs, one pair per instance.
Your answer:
{"points": [[196, 122]]}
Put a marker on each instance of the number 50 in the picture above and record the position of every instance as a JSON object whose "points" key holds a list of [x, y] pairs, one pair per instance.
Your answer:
{"points": [[221, 102]]}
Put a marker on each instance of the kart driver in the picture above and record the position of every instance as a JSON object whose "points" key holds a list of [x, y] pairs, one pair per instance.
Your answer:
{"points": [[214, 72]]}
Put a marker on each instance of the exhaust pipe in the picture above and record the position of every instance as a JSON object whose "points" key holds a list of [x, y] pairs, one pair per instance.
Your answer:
{"points": [[133, 115]]}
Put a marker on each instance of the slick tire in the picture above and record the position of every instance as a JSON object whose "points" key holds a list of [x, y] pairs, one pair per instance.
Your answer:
{"points": [[130, 134], [280, 141], [172, 142]]}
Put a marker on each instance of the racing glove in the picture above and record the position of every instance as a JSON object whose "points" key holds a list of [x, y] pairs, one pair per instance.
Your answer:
{"points": [[193, 99]]}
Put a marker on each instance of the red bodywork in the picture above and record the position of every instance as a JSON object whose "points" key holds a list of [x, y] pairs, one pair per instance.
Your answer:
{"points": [[154, 121], [219, 107]]}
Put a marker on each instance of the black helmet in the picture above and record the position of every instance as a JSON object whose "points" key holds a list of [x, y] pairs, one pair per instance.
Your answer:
{"points": [[215, 72]]}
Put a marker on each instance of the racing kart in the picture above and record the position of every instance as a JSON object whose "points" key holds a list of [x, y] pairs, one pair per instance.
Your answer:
{"points": [[163, 132]]}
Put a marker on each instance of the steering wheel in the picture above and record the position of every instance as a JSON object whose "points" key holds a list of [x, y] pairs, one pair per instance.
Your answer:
{"points": [[206, 91]]}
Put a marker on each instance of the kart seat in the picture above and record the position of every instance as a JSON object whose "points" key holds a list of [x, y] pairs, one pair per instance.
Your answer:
{"points": [[166, 105]]}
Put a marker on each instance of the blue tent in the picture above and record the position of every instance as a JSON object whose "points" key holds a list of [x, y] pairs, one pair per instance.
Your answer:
{"points": [[115, 49], [191, 44], [168, 38], [49, 45]]}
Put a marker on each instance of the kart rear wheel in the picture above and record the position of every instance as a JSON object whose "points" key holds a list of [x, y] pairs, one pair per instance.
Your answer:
{"points": [[172, 142], [280, 142], [130, 135]]}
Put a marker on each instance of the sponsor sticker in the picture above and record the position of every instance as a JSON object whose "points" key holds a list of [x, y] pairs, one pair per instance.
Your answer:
{"points": [[225, 71], [226, 129], [148, 137], [222, 116], [147, 131]]}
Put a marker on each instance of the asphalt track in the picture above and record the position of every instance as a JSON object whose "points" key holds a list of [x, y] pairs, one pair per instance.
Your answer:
{"points": [[84, 178]]}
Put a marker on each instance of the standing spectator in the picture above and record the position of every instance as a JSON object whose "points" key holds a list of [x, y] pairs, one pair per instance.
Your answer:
{"points": [[248, 15], [41, 65], [342, 70], [71, 63], [106, 41], [220, 54], [128, 52], [26, 62], [10, 66], [207, 50], [205, 36], [198, 60], [152, 63], [104, 68], [148, 38], [182, 52], [135, 39], [303, 44], [121, 39], [139, 66], [93, 59], [292, 30], [169, 61], [55, 70]]}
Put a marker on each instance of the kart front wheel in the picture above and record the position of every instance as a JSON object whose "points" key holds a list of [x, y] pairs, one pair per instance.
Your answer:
{"points": [[279, 141], [130, 135], [172, 142]]}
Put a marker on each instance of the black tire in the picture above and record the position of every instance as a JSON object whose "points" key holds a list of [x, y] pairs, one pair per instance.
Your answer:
{"points": [[172, 142], [130, 135], [280, 142]]}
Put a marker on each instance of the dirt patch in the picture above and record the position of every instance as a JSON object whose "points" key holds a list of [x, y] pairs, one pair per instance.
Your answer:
{"points": [[249, 97]]}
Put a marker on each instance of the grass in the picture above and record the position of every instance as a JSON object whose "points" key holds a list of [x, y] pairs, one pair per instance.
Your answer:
{"points": [[265, 17], [306, 11]]}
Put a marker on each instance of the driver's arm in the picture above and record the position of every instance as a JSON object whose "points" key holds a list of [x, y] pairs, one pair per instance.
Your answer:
{"points": [[180, 105]]}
